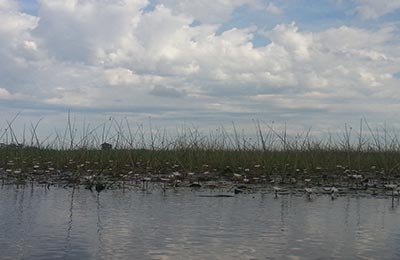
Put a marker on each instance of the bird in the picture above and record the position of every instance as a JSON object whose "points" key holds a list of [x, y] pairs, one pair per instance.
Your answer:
{"points": [[276, 190], [99, 186], [308, 191], [334, 191], [394, 188], [237, 191], [396, 192]]}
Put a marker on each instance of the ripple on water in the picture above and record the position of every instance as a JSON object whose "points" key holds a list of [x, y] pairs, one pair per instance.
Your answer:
{"points": [[77, 224]]}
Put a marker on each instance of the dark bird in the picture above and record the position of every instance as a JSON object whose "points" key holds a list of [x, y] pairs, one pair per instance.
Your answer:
{"points": [[237, 191], [100, 186]]}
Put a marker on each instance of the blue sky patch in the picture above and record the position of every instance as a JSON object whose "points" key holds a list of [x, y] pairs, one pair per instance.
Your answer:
{"points": [[29, 6]]}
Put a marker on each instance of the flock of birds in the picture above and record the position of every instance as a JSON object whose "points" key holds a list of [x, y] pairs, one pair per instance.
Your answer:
{"points": [[308, 191], [95, 183], [334, 191]]}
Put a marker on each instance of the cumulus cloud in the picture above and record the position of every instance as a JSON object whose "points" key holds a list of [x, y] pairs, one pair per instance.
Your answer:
{"points": [[77, 31], [296, 43], [119, 55]]}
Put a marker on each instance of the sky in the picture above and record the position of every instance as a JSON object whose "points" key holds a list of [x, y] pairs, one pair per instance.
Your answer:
{"points": [[317, 64]]}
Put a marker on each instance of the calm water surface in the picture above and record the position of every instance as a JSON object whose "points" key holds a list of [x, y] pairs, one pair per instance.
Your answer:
{"points": [[36, 223]]}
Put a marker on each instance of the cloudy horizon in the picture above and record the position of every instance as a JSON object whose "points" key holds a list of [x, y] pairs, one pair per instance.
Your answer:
{"points": [[319, 63]]}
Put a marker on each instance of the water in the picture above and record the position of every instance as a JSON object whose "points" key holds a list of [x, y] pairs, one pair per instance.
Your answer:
{"points": [[59, 223]]}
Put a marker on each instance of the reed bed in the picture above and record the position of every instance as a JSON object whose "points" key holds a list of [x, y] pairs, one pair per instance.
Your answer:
{"points": [[267, 155]]}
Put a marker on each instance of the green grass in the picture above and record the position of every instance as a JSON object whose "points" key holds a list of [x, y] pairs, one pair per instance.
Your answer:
{"points": [[221, 153]]}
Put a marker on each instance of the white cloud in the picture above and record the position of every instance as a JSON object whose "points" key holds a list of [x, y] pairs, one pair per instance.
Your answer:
{"points": [[206, 11], [273, 9], [373, 9], [4, 94], [113, 55], [345, 38], [74, 30], [296, 43], [6, 5], [216, 11], [121, 76]]}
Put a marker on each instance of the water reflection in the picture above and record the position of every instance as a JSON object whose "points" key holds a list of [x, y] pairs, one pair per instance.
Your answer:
{"points": [[37, 223], [70, 222]]}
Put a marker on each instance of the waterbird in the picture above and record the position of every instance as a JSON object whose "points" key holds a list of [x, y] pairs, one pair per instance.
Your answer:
{"points": [[89, 186], [308, 191], [334, 191], [276, 190], [145, 183], [177, 183], [237, 191], [393, 188], [100, 186], [397, 193], [164, 183]]}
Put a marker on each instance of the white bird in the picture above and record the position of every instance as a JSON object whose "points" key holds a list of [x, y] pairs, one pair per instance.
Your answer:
{"points": [[308, 191], [394, 188], [334, 191], [276, 190]]}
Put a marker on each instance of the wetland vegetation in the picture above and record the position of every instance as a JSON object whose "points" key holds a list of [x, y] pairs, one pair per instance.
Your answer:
{"points": [[115, 155]]}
